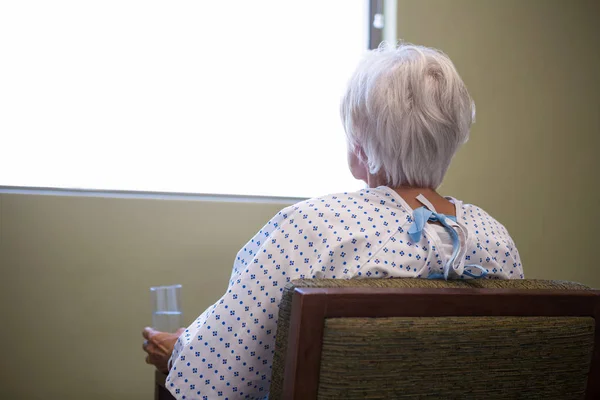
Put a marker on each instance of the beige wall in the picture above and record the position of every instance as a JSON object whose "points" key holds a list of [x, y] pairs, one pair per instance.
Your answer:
{"points": [[75, 271], [74, 288]]}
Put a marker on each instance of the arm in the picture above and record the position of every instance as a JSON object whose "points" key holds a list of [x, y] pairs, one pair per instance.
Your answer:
{"points": [[228, 350]]}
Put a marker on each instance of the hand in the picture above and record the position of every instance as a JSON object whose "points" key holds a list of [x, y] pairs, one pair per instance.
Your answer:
{"points": [[159, 346]]}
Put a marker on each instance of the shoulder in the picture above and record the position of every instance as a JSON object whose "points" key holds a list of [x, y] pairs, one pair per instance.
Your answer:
{"points": [[490, 243], [480, 221], [349, 217], [362, 202]]}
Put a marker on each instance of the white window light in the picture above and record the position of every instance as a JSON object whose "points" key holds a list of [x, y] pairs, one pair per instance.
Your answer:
{"points": [[228, 97]]}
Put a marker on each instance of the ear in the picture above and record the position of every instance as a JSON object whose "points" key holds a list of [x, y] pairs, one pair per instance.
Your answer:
{"points": [[357, 161]]}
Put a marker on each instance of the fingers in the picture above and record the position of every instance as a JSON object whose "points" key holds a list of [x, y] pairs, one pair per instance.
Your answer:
{"points": [[156, 337], [148, 332], [153, 348], [152, 357], [150, 346]]}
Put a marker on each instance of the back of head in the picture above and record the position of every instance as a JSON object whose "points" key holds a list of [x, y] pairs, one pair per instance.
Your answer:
{"points": [[409, 111]]}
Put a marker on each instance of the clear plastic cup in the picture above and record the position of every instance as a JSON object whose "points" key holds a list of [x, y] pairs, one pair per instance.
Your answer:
{"points": [[166, 308]]}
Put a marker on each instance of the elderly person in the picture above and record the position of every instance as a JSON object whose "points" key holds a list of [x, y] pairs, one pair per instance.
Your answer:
{"points": [[406, 112]]}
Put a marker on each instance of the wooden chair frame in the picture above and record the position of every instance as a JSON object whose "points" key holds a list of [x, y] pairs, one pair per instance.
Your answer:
{"points": [[311, 306]]}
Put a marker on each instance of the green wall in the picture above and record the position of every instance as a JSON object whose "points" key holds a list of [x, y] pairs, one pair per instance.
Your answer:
{"points": [[75, 271]]}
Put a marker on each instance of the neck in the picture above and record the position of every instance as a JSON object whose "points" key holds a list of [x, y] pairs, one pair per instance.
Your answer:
{"points": [[409, 194], [412, 192], [374, 181]]}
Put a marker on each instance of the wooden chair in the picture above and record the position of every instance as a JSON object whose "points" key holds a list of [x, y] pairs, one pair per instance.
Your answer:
{"points": [[160, 391], [413, 338]]}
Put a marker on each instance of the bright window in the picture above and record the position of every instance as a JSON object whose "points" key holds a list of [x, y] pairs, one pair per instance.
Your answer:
{"points": [[227, 97]]}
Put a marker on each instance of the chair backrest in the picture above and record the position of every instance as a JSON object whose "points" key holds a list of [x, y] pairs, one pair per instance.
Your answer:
{"points": [[427, 339]]}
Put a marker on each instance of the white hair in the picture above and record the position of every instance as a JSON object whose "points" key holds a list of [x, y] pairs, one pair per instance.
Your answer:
{"points": [[409, 111]]}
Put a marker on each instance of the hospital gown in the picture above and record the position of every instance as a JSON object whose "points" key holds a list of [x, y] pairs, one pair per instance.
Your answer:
{"points": [[226, 353]]}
